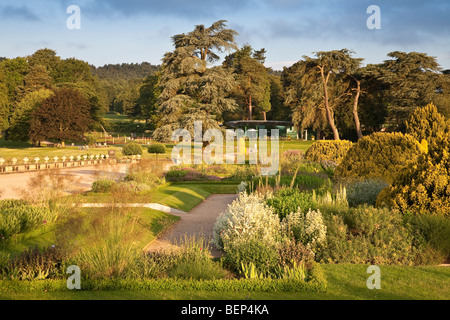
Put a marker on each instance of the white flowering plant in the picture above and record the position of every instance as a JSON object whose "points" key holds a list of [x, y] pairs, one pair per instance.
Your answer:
{"points": [[309, 228], [248, 231]]}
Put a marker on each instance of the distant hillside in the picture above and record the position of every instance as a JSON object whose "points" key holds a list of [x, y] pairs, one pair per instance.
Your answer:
{"points": [[125, 70]]}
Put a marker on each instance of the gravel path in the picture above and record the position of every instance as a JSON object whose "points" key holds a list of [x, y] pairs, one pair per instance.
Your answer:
{"points": [[15, 185], [198, 222]]}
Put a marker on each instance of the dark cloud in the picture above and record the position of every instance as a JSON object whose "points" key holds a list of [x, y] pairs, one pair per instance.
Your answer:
{"points": [[18, 12]]}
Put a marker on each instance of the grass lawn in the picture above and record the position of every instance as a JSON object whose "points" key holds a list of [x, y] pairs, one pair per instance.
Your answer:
{"points": [[346, 282], [182, 196]]}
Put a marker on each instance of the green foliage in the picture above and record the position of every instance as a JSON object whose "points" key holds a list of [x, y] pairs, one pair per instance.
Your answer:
{"points": [[157, 148], [248, 232], [371, 236], [253, 83], [410, 81], [436, 232], [206, 97], [64, 116], [428, 124], [364, 191], [102, 186], [132, 148], [287, 201], [188, 174], [379, 156], [18, 217], [131, 186], [307, 228], [35, 264], [328, 150], [317, 283]]}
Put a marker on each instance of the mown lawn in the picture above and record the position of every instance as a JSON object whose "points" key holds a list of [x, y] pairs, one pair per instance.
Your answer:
{"points": [[182, 196], [345, 282]]}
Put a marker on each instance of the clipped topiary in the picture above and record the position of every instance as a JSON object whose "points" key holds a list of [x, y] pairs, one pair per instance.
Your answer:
{"points": [[131, 149], [328, 150], [156, 148], [379, 156]]}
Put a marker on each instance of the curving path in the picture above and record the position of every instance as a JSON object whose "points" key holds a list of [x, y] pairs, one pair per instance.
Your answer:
{"points": [[198, 222], [16, 185]]}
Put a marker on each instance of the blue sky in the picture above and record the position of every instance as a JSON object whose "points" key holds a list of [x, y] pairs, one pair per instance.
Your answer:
{"points": [[114, 31]]}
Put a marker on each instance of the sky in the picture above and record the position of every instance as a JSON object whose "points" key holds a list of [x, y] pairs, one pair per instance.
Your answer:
{"points": [[133, 31]]}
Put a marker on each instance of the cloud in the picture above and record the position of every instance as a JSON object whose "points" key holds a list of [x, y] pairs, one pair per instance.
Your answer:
{"points": [[177, 8], [402, 22], [18, 12]]}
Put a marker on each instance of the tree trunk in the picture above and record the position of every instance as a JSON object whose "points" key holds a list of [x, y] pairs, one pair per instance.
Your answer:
{"points": [[250, 108], [265, 116], [327, 106], [355, 109]]}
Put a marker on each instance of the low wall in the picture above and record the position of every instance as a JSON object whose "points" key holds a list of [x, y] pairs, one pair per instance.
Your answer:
{"points": [[22, 167]]}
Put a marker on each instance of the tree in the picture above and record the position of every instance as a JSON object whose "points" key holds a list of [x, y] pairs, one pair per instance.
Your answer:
{"points": [[253, 84], [45, 57], [189, 90], [205, 41], [146, 103], [336, 63], [278, 109], [12, 74], [304, 95], [21, 117], [63, 116], [412, 82]]}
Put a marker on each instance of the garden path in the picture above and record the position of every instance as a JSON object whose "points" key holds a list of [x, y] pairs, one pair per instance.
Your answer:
{"points": [[18, 185], [199, 222]]}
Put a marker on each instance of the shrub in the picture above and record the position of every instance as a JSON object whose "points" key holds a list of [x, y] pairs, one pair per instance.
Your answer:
{"points": [[309, 228], [131, 149], [193, 261], [291, 251], [367, 235], [427, 124], [436, 232], [102, 186], [130, 186], [18, 217], [364, 191], [286, 201], [248, 232], [379, 156], [290, 160], [423, 187], [328, 150], [34, 264], [146, 171], [157, 148], [242, 172], [300, 181], [188, 174]]}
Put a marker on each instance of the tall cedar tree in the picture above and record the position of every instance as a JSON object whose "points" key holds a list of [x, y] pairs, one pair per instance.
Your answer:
{"points": [[190, 91], [412, 81], [64, 116]]}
